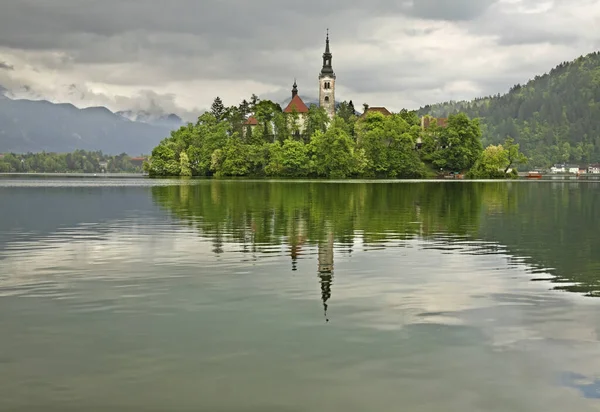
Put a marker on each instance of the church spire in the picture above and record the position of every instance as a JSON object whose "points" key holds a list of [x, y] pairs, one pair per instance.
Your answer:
{"points": [[294, 89], [327, 68]]}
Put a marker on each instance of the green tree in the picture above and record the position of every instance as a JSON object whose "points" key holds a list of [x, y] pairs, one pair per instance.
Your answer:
{"points": [[459, 144], [232, 159], [492, 163], [184, 165], [333, 152], [218, 109], [513, 155], [316, 120]]}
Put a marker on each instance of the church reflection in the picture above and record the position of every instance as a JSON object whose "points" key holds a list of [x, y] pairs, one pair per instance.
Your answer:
{"points": [[325, 251], [325, 269]]}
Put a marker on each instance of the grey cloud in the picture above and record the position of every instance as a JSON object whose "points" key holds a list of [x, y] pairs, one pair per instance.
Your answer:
{"points": [[6, 66], [449, 9], [270, 42]]}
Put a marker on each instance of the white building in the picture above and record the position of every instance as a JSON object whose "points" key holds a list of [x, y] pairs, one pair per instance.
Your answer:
{"points": [[595, 168]]}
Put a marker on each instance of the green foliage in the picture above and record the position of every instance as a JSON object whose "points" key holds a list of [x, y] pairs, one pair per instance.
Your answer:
{"points": [[491, 164], [184, 165], [280, 145], [458, 144], [555, 117], [389, 145], [79, 161], [218, 109], [333, 152], [495, 162], [316, 121], [232, 159]]}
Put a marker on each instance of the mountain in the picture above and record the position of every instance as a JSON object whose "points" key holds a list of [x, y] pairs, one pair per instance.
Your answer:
{"points": [[555, 117], [39, 125], [143, 116]]}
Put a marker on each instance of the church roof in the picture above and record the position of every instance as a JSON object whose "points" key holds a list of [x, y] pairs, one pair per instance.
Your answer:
{"points": [[381, 110], [296, 103], [251, 121]]}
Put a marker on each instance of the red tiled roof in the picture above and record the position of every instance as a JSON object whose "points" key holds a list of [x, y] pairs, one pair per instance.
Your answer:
{"points": [[137, 159], [251, 121], [297, 104], [381, 110]]}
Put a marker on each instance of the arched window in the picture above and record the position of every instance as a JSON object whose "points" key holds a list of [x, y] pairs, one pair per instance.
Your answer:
{"points": [[326, 99]]}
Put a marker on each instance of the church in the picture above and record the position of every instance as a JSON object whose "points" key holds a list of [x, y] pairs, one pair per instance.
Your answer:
{"points": [[326, 93], [326, 88]]}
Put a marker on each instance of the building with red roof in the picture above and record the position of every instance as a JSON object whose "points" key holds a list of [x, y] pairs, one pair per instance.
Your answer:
{"points": [[296, 104], [381, 110]]}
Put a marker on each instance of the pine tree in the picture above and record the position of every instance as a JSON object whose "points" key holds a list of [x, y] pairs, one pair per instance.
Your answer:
{"points": [[218, 109]]}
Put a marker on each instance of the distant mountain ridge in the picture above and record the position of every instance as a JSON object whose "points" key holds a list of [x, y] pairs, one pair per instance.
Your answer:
{"points": [[159, 119], [554, 117], [40, 125]]}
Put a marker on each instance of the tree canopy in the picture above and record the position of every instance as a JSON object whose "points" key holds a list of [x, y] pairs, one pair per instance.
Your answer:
{"points": [[221, 143]]}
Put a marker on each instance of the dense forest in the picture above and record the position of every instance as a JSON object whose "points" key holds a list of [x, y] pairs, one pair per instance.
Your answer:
{"points": [[555, 117], [221, 143], [79, 161]]}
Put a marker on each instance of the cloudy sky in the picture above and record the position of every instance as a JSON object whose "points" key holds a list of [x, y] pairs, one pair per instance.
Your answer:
{"points": [[178, 55]]}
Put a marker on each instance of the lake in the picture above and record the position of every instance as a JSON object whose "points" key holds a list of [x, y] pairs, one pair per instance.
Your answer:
{"points": [[223, 295]]}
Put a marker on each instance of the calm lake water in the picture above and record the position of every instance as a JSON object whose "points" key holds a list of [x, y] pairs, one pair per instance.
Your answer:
{"points": [[199, 295]]}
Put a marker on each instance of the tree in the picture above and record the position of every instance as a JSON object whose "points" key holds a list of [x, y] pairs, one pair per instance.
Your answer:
{"points": [[316, 120], [218, 109], [459, 144], [389, 146], [513, 155], [492, 164], [232, 159], [184, 165], [333, 152], [346, 111]]}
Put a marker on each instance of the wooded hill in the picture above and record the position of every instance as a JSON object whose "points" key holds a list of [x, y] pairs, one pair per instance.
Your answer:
{"points": [[555, 117]]}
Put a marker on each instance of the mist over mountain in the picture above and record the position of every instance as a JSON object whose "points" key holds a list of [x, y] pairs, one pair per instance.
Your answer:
{"points": [[157, 119]]}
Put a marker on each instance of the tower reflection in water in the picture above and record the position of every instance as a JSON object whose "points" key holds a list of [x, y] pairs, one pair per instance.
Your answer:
{"points": [[325, 268], [324, 262]]}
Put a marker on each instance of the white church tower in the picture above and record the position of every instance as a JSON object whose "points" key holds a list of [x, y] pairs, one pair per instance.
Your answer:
{"points": [[327, 82]]}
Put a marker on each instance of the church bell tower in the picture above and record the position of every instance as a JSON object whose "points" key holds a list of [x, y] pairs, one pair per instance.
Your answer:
{"points": [[327, 82]]}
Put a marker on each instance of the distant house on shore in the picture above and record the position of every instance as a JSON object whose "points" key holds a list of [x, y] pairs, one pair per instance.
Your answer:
{"points": [[594, 169], [137, 161]]}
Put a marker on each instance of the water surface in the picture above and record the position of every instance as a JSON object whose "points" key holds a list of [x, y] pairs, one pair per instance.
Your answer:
{"points": [[150, 295]]}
